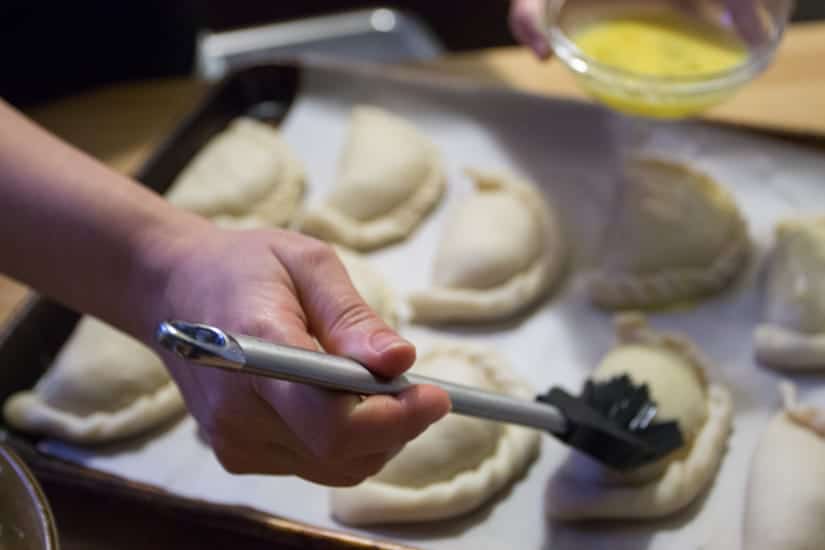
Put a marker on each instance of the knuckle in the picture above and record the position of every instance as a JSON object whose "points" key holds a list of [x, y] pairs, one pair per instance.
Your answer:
{"points": [[316, 253], [350, 314], [257, 324], [386, 418]]}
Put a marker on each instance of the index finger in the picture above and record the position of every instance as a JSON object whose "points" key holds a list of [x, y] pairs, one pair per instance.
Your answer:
{"points": [[337, 315]]}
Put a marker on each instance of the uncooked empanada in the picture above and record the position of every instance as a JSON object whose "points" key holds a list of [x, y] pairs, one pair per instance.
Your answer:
{"points": [[389, 178], [678, 235], [674, 372], [245, 175], [785, 503], [501, 250], [793, 332], [102, 386], [370, 285], [458, 463]]}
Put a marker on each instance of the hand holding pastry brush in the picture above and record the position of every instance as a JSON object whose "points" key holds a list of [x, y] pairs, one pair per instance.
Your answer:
{"points": [[612, 421]]}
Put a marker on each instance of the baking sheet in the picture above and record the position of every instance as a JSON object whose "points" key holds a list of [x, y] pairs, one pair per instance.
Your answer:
{"points": [[565, 148]]}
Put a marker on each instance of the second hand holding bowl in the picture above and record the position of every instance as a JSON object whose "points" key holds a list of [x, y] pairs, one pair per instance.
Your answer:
{"points": [[665, 58]]}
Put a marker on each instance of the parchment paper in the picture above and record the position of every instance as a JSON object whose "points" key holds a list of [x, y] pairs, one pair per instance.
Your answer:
{"points": [[566, 149]]}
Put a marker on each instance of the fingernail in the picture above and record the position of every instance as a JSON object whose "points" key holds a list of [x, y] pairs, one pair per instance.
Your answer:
{"points": [[383, 340]]}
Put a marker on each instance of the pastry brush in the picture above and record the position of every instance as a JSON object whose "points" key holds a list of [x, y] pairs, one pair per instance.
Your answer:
{"points": [[612, 421]]}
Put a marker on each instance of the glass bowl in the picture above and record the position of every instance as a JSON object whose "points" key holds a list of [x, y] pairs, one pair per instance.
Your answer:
{"points": [[26, 521], [759, 29]]}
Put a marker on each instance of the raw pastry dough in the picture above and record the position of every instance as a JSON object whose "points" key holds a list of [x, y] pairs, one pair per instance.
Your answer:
{"points": [[243, 176], [499, 254], [793, 332], [458, 463], [785, 504], [103, 385], [678, 235], [370, 285], [675, 374], [389, 178]]}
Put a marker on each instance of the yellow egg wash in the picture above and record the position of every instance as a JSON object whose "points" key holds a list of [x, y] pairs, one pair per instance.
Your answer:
{"points": [[659, 44]]}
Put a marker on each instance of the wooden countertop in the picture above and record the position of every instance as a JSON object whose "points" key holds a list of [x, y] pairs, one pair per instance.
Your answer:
{"points": [[788, 97], [121, 124]]}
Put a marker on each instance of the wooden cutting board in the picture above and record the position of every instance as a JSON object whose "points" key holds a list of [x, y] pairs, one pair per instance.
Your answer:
{"points": [[788, 97]]}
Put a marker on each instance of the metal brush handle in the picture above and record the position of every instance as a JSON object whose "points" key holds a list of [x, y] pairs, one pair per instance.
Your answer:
{"points": [[210, 346]]}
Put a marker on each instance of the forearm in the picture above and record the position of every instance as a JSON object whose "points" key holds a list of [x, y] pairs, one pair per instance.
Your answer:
{"points": [[77, 231], [106, 246]]}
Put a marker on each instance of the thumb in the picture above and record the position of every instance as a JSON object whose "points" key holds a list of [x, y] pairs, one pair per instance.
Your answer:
{"points": [[337, 315]]}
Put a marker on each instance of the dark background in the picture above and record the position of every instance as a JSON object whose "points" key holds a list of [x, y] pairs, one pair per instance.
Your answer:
{"points": [[54, 47], [459, 24]]}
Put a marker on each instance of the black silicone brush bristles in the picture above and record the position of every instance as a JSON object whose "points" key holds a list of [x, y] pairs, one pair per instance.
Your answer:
{"points": [[619, 400], [614, 422]]}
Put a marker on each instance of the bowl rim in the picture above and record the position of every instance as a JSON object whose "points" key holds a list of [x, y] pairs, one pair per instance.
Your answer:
{"points": [[650, 85], [40, 503]]}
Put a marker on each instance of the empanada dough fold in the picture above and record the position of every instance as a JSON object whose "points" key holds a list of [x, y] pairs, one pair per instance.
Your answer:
{"points": [[785, 498], [244, 176], [782, 348], [792, 334], [328, 224], [103, 385], [807, 416], [389, 178], [678, 235], [683, 480], [279, 207], [376, 502], [583, 489], [620, 291], [633, 328], [520, 289], [26, 411], [439, 305]]}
